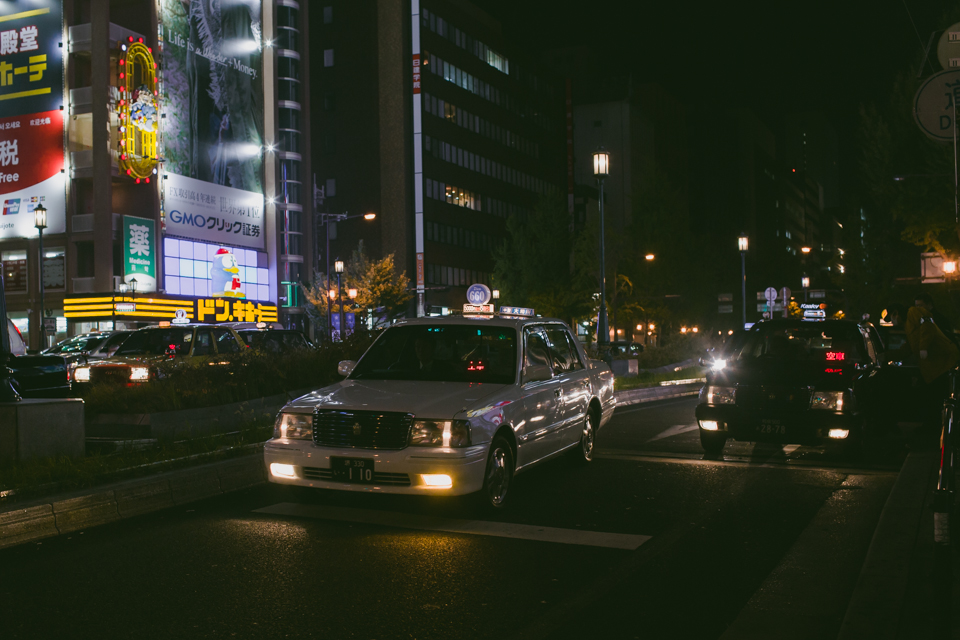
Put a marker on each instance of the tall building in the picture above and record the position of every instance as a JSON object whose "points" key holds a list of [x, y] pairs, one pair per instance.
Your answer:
{"points": [[431, 120], [163, 144]]}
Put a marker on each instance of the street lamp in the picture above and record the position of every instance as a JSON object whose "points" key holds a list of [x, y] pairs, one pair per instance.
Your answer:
{"points": [[40, 222], [743, 242], [805, 249], [325, 219], [496, 294], [601, 169], [805, 283], [650, 257], [338, 267]]}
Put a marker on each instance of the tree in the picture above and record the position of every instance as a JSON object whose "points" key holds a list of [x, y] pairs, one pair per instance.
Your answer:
{"points": [[534, 266], [378, 286]]}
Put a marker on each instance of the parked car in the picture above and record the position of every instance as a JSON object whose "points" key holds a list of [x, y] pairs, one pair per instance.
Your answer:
{"points": [[138, 358], [448, 406], [274, 340], [799, 382], [40, 376]]}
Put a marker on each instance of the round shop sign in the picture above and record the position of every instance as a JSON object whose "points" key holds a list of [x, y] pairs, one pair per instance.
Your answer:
{"points": [[935, 104], [478, 294]]}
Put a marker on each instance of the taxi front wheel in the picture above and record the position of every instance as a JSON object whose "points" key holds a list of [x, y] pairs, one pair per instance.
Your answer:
{"points": [[712, 443], [498, 476]]}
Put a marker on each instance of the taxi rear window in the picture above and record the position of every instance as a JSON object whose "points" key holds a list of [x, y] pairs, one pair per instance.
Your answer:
{"points": [[442, 353], [810, 343]]}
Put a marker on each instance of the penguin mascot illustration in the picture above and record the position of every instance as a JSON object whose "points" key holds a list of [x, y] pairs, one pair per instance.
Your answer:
{"points": [[225, 276]]}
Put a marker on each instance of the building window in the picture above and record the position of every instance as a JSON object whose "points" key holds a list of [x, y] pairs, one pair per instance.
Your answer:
{"points": [[331, 188], [328, 15], [288, 90], [287, 16], [288, 67], [288, 38], [328, 57], [15, 270]]}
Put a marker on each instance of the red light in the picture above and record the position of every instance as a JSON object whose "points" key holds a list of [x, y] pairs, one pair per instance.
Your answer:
{"points": [[140, 40], [121, 62], [130, 38], [148, 180], [475, 366], [833, 370], [129, 171], [150, 49], [836, 355], [121, 75], [793, 170], [138, 180]]}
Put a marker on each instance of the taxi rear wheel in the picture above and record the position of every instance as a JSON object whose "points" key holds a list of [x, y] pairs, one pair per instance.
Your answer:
{"points": [[583, 452], [712, 443], [498, 477]]}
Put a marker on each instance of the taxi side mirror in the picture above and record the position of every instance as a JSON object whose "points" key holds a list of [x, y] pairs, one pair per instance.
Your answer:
{"points": [[536, 373], [345, 368]]}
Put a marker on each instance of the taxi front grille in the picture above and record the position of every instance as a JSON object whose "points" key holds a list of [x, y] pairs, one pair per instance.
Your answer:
{"points": [[773, 398], [361, 429], [110, 375], [380, 478]]}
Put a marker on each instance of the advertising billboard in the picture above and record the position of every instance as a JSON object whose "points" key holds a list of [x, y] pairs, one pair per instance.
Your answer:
{"points": [[213, 92], [204, 269], [213, 213], [31, 129], [31, 157], [140, 252]]}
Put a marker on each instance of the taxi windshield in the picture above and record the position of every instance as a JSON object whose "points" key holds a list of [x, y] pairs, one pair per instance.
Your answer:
{"points": [[442, 353], [154, 342], [813, 342]]}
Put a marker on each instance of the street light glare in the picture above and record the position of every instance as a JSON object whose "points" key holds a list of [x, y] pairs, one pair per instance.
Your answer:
{"points": [[650, 257], [743, 242], [369, 216], [601, 163], [950, 267], [805, 249]]}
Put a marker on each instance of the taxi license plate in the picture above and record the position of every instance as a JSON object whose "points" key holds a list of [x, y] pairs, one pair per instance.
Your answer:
{"points": [[772, 427], [354, 470]]}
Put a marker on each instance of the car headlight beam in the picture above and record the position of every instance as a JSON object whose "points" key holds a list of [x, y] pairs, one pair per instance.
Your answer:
{"points": [[139, 374], [81, 374]]}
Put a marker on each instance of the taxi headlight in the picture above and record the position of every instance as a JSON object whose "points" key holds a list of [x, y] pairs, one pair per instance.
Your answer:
{"points": [[719, 395], [440, 433], [828, 400], [294, 426], [139, 374], [81, 374]]}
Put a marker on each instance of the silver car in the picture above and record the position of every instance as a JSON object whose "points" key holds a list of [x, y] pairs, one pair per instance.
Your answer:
{"points": [[448, 406]]}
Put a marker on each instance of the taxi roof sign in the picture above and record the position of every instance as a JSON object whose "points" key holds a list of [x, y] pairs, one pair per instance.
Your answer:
{"points": [[478, 308], [525, 312]]}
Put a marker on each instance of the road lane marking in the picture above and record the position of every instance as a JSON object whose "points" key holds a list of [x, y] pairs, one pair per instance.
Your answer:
{"points": [[453, 525], [731, 461], [675, 430], [653, 404]]}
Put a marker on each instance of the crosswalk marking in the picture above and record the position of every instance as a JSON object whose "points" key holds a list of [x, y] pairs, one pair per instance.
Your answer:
{"points": [[452, 525], [675, 430]]}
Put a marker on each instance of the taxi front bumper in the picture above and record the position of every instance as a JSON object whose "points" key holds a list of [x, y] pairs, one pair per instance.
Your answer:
{"points": [[808, 426], [396, 471]]}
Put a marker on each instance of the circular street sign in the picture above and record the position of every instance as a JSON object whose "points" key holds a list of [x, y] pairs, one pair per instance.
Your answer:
{"points": [[935, 104], [770, 294], [478, 294], [948, 48]]}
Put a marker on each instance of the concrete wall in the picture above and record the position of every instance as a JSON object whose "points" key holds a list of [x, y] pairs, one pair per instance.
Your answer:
{"points": [[41, 429]]}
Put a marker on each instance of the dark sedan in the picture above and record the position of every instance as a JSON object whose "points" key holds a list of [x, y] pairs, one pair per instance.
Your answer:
{"points": [[796, 382]]}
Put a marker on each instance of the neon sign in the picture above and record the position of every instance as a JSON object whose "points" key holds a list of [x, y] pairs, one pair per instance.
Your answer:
{"points": [[137, 110]]}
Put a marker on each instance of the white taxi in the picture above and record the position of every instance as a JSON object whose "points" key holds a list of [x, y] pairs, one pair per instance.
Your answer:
{"points": [[448, 406]]}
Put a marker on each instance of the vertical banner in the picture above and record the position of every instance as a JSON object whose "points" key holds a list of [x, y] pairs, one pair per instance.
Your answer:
{"points": [[140, 252], [417, 157], [31, 120]]}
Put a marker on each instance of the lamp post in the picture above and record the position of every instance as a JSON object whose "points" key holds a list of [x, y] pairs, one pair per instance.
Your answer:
{"points": [[325, 219], [805, 283], [601, 169], [338, 267], [40, 222], [743, 242]]}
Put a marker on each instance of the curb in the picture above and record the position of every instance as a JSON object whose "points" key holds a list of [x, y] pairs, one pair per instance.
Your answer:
{"points": [[877, 602], [103, 505], [650, 394]]}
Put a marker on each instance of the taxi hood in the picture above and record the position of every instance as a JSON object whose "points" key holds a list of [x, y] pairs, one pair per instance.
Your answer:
{"points": [[787, 373], [436, 400]]}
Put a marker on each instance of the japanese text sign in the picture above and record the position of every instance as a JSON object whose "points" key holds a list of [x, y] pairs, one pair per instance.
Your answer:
{"points": [[213, 213], [140, 253], [31, 56]]}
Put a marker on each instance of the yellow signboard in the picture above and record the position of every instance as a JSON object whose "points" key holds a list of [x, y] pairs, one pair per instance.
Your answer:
{"points": [[161, 307]]}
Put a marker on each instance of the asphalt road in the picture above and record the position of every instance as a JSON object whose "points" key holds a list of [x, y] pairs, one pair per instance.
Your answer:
{"points": [[649, 541]]}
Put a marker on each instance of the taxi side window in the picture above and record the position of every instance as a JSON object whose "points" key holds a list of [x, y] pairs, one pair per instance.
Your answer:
{"points": [[203, 345], [226, 343], [562, 353], [535, 351]]}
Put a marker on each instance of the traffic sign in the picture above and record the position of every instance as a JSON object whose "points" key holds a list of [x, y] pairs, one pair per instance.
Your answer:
{"points": [[934, 104], [948, 48], [770, 294], [478, 294]]}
